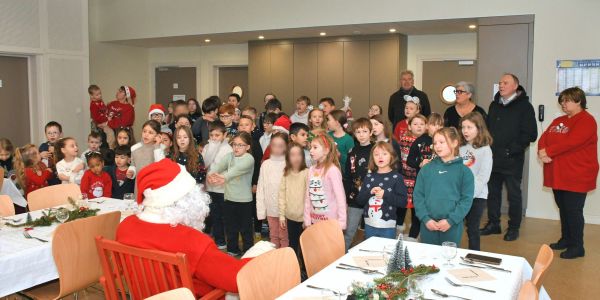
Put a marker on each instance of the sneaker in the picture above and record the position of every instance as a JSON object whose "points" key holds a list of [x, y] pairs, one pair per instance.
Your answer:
{"points": [[490, 228], [221, 247], [511, 235]]}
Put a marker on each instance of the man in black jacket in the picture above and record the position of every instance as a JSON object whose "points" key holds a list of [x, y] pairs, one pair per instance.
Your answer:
{"points": [[511, 122], [397, 102]]}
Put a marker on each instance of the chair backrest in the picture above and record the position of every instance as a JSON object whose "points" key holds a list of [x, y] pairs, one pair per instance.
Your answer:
{"points": [[7, 208], [74, 250], [528, 291], [53, 195], [269, 275], [143, 272], [179, 294], [542, 263], [322, 243], [1, 177]]}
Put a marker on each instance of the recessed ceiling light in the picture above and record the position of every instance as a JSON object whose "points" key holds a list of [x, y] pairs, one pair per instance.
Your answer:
{"points": [[260, 37], [472, 26], [207, 40], [323, 34], [392, 30]]}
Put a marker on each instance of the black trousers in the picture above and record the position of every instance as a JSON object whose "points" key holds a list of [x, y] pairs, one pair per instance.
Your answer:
{"points": [[472, 220], [515, 199], [257, 223], [570, 206], [216, 217], [238, 221], [401, 214], [294, 231], [415, 224]]}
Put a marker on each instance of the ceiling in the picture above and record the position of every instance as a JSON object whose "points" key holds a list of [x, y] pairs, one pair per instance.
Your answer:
{"points": [[407, 28]]}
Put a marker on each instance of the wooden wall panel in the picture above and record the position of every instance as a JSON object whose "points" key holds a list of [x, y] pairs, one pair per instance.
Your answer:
{"points": [[282, 74], [331, 71], [384, 73], [259, 73], [356, 76], [305, 71]]}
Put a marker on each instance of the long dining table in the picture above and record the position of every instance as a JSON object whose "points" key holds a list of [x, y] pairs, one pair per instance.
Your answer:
{"points": [[25, 263], [505, 284]]}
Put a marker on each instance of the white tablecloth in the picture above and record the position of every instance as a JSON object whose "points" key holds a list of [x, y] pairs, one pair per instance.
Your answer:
{"points": [[507, 285], [25, 263]]}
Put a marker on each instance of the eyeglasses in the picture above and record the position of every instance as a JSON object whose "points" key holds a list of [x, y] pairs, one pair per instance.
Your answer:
{"points": [[239, 145], [458, 92], [225, 116]]}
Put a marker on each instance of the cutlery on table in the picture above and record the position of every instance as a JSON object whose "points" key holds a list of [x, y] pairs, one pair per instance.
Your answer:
{"points": [[28, 236], [444, 295], [467, 285], [97, 201], [336, 293], [354, 269], [484, 265], [360, 268], [372, 251]]}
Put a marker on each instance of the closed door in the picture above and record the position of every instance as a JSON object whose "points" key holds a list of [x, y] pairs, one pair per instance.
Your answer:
{"points": [[230, 77], [14, 100], [175, 83], [438, 74]]}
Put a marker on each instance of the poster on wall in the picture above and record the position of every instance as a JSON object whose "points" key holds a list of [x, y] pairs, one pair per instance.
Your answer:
{"points": [[178, 97], [581, 73]]}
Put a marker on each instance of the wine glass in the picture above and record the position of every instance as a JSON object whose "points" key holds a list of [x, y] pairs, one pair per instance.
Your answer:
{"points": [[129, 196], [449, 252], [62, 214]]}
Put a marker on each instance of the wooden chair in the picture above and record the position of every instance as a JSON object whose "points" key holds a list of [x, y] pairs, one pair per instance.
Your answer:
{"points": [[53, 195], [7, 207], [270, 275], [542, 263], [75, 255], [143, 272], [1, 177], [528, 291], [179, 294], [321, 243]]}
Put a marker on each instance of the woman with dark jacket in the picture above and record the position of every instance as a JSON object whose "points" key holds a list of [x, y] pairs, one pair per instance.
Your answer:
{"points": [[569, 150], [463, 105]]}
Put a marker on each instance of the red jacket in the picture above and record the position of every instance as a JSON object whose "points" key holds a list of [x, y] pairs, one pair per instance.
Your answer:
{"points": [[33, 181], [98, 111], [120, 114], [211, 268], [572, 143], [96, 186]]}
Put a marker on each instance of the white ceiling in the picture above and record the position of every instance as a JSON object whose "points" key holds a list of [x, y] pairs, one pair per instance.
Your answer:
{"points": [[407, 28]]}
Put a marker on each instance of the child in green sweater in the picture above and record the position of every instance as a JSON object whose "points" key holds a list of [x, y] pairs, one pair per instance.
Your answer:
{"points": [[235, 171], [443, 192]]}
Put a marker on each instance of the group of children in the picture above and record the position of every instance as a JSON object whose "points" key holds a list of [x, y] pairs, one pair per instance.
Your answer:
{"points": [[290, 171]]}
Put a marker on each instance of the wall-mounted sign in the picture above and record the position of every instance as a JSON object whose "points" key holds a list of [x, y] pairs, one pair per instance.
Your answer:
{"points": [[178, 97], [581, 73]]}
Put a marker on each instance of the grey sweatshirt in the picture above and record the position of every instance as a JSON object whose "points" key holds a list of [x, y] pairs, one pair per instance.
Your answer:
{"points": [[480, 161]]}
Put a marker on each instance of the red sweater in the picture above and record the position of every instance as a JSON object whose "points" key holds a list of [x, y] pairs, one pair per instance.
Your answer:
{"points": [[120, 114], [401, 129], [33, 181], [98, 111], [96, 186], [572, 143], [211, 269]]}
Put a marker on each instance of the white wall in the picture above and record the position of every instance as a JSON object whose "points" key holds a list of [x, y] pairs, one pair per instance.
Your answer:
{"points": [[206, 59], [53, 34], [553, 39]]}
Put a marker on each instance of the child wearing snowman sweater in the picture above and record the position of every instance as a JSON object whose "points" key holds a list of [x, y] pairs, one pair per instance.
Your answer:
{"points": [[382, 192]]}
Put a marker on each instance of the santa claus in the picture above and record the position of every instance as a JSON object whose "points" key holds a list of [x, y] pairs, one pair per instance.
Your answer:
{"points": [[171, 219]]}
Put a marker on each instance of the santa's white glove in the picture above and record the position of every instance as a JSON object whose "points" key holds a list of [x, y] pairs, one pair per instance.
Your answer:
{"points": [[258, 249]]}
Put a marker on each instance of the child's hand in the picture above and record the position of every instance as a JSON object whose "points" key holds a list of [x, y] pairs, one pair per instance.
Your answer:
{"points": [[443, 225], [424, 162], [45, 154], [432, 225], [254, 188], [282, 224], [129, 174], [377, 191], [78, 168]]}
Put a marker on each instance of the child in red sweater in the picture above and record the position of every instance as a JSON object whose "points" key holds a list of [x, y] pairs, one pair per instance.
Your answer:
{"points": [[95, 181], [99, 114], [120, 111], [32, 173], [412, 108]]}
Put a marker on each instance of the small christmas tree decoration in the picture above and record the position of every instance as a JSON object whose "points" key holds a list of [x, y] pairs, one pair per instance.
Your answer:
{"points": [[407, 260], [396, 262]]}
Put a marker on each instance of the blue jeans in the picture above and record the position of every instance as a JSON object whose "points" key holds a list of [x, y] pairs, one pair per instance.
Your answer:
{"points": [[371, 231], [355, 215]]}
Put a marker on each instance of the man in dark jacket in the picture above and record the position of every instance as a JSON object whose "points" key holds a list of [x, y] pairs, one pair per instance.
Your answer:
{"points": [[397, 102], [511, 122]]}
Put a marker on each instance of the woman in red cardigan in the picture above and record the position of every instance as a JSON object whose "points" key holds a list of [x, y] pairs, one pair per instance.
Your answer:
{"points": [[569, 150]]}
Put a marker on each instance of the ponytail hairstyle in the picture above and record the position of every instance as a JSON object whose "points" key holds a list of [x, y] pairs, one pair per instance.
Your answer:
{"points": [[340, 116], [288, 164], [387, 127], [483, 138], [24, 158], [451, 135], [193, 159], [58, 155], [328, 144], [387, 147], [129, 133]]}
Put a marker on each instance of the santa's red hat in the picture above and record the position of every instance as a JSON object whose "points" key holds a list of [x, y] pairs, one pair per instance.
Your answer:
{"points": [[129, 93], [156, 109], [282, 124], [162, 183]]}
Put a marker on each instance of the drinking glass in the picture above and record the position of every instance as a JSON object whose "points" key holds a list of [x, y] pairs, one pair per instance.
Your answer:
{"points": [[416, 286], [62, 214], [448, 252], [129, 196]]}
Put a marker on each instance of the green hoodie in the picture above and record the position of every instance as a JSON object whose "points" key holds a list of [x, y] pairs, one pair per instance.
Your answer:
{"points": [[444, 190]]}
